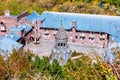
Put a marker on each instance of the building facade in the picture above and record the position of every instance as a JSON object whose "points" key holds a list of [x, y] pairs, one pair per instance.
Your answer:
{"points": [[80, 28], [83, 29], [99, 39]]}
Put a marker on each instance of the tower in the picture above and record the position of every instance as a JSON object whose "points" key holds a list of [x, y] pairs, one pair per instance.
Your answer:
{"points": [[61, 51]]}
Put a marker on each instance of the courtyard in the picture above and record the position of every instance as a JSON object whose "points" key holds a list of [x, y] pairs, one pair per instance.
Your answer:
{"points": [[44, 48]]}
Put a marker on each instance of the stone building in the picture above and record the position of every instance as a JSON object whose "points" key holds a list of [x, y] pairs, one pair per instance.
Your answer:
{"points": [[16, 30], [61, 51], [20, 27], [83, 29]]}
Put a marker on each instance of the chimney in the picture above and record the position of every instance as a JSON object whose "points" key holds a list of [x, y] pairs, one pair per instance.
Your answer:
{"points": [[7, 13], [73, 23]]}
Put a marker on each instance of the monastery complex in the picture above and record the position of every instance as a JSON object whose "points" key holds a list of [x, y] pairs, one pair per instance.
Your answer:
{"points": [[16, 31]]}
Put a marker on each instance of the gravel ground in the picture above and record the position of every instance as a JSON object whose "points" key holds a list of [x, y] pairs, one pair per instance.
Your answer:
{"points": [[45, 47]]}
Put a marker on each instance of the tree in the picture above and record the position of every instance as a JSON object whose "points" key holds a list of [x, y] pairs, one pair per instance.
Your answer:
{"points": [[3, 68]]}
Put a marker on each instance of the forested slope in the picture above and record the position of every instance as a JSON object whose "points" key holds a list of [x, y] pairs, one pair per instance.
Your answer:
{"points": [[108, 7]]}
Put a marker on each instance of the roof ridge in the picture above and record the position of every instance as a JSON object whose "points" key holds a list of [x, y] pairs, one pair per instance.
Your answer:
{"points": [[77, 14]]}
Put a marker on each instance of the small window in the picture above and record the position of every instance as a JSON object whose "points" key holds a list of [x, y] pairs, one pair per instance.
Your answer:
{"points": [[91, 38], [76, 37], [33, 27], [46, 33], [63, 44], [45, 29], [92, 33], [37, 39], [36, 30], [2, 27], [101, 34], [82, 37], [53, 34], [58, 44], [101, 39]]}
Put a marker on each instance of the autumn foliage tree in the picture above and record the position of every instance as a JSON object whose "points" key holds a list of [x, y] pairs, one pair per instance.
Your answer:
{"points": [[3, 68], [23, 65], [110, 7]]}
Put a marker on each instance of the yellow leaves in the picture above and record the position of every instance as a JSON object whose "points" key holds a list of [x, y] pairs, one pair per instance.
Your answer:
{"points": [[79, 6], [118, 55], [106, 5], [95, 3], [106, 69], [30, 11], [66, 3], [54, 9]]}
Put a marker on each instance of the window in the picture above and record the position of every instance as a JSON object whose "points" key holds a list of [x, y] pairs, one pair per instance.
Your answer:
{"points": [[102, 37], [92, 33], [46, 32], [33, 27], [58, 44], [82, 37], [63, 44], [91, 38], [53, 34], [36, 30], [101, 34], [76, 37], [2, 27]]}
